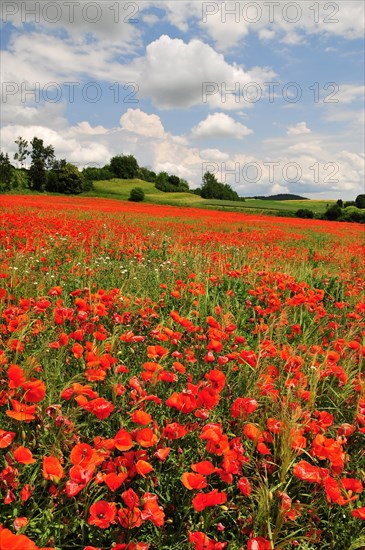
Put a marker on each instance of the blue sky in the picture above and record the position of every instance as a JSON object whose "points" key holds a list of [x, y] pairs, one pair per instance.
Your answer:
{"points": [[91, 82]]}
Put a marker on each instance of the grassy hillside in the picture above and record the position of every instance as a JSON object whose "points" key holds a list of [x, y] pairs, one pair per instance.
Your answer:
{"points": [[120, 189]]}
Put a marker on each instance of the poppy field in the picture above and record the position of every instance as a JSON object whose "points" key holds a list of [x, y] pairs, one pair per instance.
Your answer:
{"points": [[175, 378]]}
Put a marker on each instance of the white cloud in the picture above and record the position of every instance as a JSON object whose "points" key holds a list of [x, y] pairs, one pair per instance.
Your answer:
{"points": [[175, 74], [349, 93], [298, 129], [138, 122], [220, 125], [229, 23], [213, 155]]}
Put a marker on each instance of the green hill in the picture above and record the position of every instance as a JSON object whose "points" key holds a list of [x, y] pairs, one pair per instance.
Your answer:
{"points": [[120, 189]]}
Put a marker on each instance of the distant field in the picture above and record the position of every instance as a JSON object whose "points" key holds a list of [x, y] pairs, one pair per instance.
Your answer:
{"points": [[120, 189]]}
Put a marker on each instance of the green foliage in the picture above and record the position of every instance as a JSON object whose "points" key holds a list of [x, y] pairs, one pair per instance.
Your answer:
{"points": [[124, 166], [360, 201], [171, 183], [212, 189], [6, 170], [42, 158], [146, 175], [304, 213], [353, 214], [98, 174], [23, 151], [136, 195], [19, 179], [65, 178], [333, 213], [340, 203]]}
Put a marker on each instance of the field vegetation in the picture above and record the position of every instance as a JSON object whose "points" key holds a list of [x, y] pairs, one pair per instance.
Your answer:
{"points": [[176, 378]]}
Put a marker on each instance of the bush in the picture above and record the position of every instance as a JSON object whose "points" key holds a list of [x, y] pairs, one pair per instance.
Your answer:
{"points": [[124, 166], [333, 213], [360, 201], [353, 214], [304, 213], [98, 174], [65, 179], [136, 195]]}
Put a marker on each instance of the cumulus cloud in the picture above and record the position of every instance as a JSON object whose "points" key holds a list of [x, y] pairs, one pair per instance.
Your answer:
{"points": [[298, 129], [138, 122], [220, 125], [175, 74]]}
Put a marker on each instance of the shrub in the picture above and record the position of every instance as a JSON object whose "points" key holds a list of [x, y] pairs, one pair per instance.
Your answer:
{"points": [[304, 213], [360, 201], [136, 195], [333, 213], [353, 214]]}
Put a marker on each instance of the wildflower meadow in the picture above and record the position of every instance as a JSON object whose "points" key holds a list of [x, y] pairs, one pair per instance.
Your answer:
{"points": [[175, 378]]}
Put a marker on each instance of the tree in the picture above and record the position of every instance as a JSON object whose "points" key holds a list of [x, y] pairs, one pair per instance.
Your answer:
{"points": [[174, 180], [340, 203], [124, 166], [92, 173], [212, 189], [136, 195], [42, 158], [333, 213], [146, 175], [360, 201], [210, 186], [162, 181], [6, 170], [304, 213], [23, 152], [65, 178]]}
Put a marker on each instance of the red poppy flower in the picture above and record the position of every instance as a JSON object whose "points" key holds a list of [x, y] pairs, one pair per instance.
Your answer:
{"points": [[152, 511], [22, 412], [258, 543], [359, 513], [16, 376], [244, 486], [82, 455], [205, 467], [9, 541], [52, 469], [162, 454], [6, 438], [146, 437], [114, 481], [23, 455], [202, 500], [200, 541], [123, 441], [35, 390], [143, 467], [194, 481], [243, 406], [129, 518], [141, 417], [102, 514], [308, 472]]}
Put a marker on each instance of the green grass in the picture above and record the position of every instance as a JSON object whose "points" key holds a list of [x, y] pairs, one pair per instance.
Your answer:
{"points": [[120, 189]]}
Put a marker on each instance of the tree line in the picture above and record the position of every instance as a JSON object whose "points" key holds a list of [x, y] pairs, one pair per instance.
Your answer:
{"points": [[47, 173]]}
